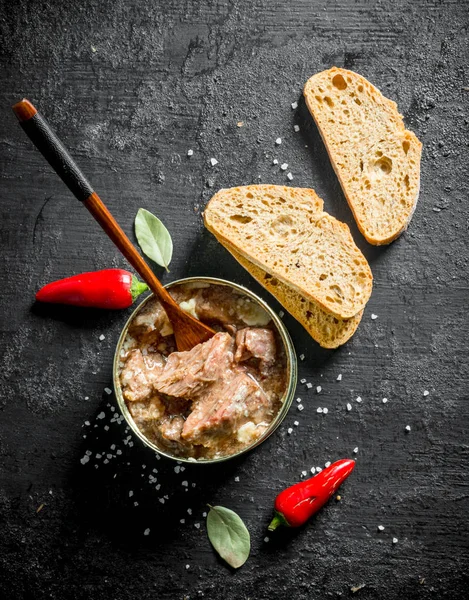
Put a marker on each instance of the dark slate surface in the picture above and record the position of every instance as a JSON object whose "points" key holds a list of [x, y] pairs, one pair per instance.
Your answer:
{"points": [[130, 87]]}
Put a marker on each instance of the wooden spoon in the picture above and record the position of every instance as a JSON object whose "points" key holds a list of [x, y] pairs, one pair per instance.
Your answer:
{"points": [[188, 331]]}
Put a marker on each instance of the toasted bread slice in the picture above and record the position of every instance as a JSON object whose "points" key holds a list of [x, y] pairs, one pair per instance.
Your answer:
{"points": [[377, 160], [325, 329], [285, 232]]}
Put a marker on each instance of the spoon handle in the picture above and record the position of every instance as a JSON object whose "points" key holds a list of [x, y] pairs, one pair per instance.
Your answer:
{"points": [[45, 140]]}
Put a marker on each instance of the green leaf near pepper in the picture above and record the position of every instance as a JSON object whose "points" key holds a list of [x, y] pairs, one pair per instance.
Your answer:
{"points": [[228, 535], [153, 237]]}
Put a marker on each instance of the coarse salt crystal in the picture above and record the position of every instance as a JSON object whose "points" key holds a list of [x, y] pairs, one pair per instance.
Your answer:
{"points": [[318, 469], [147, 531], [426, 392], [313, 470], [319, 409], [278, 141], [275, 161], [188, 566], [213, 162], [302, 356], [355, 450], [190, 152], [101, 415], [327, 464], [197, 525], [289, 176], [131, 494], [325, 410], [318, 389], [394, 540], [373, 316], [204, 514], [296, 128], [298, 400], [185, 483], [358, 399], [289, 430], [266, 539], [309, 385], [384, 400], [85, 459], [349, 406], [102, 337], [161, 500], [407, 427], [294, 105], [300, 407], [281, 314], [284, 166], [182, 521], [177, 468], [381, 527], [302, 380], [108, 391], [303, 473], [189, 511], [296, 423], [236, 478], [339, 377]]}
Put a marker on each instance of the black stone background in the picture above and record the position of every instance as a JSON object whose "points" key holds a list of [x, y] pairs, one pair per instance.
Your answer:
{"points": [[130, 86]]}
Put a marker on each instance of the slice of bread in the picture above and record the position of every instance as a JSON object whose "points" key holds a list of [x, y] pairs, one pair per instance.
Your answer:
{"points": [[328, 331], [377, 160], [285, 232]]}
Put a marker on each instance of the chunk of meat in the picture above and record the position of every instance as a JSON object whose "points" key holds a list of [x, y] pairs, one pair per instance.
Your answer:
{"points": [[150, 410], [188, 374], [230, 402], [213, 307], [256, 343], [139, 374], [168, 431]]}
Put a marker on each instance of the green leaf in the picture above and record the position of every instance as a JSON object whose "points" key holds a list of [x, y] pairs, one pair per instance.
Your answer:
{"points": [[154, 238], [228, 535]]}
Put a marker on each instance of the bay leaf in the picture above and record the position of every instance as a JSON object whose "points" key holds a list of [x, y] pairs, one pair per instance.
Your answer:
{"points": [[153, 237], [228, 535]]}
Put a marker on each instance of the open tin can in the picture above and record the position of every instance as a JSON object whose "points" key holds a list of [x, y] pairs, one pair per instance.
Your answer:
{"points": [[291, 375]]}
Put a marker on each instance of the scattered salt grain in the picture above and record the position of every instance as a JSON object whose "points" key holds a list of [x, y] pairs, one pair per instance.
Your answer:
{"points": [[303, 473], [298, 400], [87, 397], [319, 409], [296, 423], [213, 162], [281, 314], [302, 380], [197, 525], [384, 400], [182, 521], [284, 166], [275, 161], [108, 391], [313, 470], [294, 105], [190, 152], [102, 337], [289, 431], [278, 141], [327, 464], [349, 406], [177, 468], [309, 385], [358, 399], [135, 503], [188, 566], [339, 377], [189, 511], [318, 389], [101, 415], [373, 316], [325, 410], [236, 478], [407, 427], [302, 356], [394, 540], [184, 483], [289, 176], [84, 460], [355, 450], [296, 128], [426, 392], [381, 527], [147, 531], [318, 469], [87, 423], [300, 407], [266, 539], [161, 500], [131, 494], [204, 514]]}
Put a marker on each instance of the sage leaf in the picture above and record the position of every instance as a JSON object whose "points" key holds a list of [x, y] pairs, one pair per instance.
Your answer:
{"points": [[228, 535], [153, 237]]}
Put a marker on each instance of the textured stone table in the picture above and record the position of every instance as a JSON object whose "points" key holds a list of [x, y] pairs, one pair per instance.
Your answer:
{"points": [[130, 87]]}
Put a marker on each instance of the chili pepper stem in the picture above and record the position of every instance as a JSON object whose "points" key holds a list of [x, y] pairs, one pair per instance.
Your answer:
{"points": [[137, 288], [278, 519]]}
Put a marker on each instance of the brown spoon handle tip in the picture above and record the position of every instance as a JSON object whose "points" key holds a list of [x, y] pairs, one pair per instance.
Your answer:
{"points": [[24, 110]]}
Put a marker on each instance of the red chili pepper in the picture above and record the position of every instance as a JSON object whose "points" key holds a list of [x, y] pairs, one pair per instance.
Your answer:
{"points": [[111, 288], [295, 505]]}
